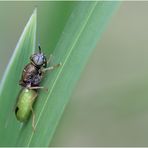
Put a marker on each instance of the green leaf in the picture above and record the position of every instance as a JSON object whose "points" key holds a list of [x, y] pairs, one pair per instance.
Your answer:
{"points": [[9, 87], [78, 39]]}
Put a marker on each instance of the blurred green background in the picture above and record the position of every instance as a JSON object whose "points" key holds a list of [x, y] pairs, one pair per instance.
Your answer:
{"points": [[109, 106]]}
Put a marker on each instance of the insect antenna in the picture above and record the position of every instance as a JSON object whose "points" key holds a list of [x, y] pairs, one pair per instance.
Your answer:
{"points": [[39, 48]]}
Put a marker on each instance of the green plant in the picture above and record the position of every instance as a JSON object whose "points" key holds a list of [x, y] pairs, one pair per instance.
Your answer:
{"points": [[79, 37]]}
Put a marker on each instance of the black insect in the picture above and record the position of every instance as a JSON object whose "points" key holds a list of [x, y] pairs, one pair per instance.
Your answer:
{"points": [[30, 82], [32, 73]]}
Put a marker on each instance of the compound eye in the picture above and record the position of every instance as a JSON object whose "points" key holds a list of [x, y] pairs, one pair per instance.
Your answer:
{"points": [[38, 59]]}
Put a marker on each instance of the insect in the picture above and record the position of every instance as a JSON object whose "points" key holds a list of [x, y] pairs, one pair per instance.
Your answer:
{"points": [[31, 77]]}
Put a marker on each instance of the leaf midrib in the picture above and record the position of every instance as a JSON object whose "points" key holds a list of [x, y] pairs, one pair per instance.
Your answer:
{"points": [[61, 68]]}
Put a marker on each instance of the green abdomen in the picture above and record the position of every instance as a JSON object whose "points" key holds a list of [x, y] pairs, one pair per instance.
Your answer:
{"points": [[24, 104]]}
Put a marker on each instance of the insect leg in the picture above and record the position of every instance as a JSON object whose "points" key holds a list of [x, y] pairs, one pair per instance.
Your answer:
{"points": [[39, 48], [33, 114], [33, 119], [38, 87], [50, 57], [51, 67]]}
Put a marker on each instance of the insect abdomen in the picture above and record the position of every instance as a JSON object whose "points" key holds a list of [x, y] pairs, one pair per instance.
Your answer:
{"points": [[25, 103]]}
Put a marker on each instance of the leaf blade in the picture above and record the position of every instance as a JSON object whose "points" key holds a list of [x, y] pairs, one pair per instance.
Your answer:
{"points": [[58, 75], [9, 85], [55, 102]]}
